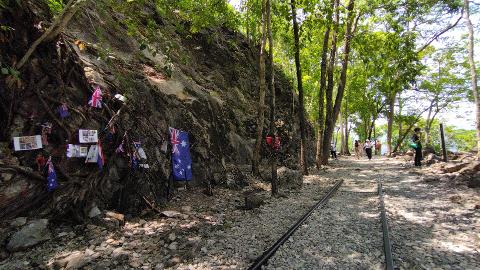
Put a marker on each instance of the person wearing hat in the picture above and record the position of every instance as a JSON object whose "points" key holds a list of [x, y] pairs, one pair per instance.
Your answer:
{"points": [[418, 146], [368, 149]]}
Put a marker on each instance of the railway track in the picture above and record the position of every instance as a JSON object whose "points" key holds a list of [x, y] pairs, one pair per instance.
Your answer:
{"points": [[265, 260]]}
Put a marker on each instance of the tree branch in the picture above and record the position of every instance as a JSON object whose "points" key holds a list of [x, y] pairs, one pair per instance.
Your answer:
{"points": [[56, 27], [437, 35]]}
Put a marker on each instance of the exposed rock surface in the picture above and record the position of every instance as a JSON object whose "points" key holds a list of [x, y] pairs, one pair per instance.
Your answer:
{"points": [[289, 178], [30, 235], [18, 222], [171, 78], [253, 200]]}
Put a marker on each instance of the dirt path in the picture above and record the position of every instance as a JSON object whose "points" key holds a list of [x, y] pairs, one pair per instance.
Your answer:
{"points": [[432, 225]]}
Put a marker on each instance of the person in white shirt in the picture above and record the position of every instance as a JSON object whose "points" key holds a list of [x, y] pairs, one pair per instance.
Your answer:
{"points": [[333, 150], [368, 149]]}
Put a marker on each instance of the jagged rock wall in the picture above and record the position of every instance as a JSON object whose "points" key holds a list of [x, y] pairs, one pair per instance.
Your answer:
{"points": [[204, 83]]}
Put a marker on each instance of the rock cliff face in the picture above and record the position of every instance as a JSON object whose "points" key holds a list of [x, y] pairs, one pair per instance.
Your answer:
{"points": [[204, 83]]}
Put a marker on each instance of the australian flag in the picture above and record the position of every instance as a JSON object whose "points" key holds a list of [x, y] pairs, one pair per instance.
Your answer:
{"points": [[52, 183], [96, 100], [181, 161]]}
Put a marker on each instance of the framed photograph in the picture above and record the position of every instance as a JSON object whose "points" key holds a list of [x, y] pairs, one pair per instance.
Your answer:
{"points": [[76, 151], [87, 136], [27, 143]]}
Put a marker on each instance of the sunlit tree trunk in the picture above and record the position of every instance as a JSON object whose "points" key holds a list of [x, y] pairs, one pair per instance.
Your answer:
{"points": [[271, 87], [345, 148], [390, 114], [329, 126], [321, 95], [473, 72], [303, 161], [261, 94], [400, 123]]}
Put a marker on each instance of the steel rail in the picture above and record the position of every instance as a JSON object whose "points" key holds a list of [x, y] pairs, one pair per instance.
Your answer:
{"points": [[387, 248], [269, 252]]}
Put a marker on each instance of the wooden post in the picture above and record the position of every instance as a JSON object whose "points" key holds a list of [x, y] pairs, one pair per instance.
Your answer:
{"points": [[444, 149]]}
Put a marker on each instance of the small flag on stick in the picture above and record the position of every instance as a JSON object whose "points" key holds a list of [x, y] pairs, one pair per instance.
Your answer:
{"points": [[96, 100], [52, 183]]}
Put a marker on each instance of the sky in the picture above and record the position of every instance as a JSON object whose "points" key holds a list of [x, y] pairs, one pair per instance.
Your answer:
{"points": [[462, 115]]}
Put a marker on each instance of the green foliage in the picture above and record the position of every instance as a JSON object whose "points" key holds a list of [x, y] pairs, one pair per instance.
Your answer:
{"points": [[55, 6], [461, 139], [8, 70], [8, 3], [200, 14]]}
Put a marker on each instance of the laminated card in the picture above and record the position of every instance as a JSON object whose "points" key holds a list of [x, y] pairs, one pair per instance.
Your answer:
{"points": [[27, 143], [87, 136], [76, 151]]}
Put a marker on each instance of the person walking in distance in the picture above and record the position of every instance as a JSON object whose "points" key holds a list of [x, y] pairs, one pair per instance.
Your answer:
{"points": [[368, 149], [416, 137], [378, 147], [333, 150], [357, 149]]}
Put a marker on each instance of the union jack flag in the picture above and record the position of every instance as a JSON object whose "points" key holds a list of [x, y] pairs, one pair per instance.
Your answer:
{"points": [[174, 140], [52, 183], [96, 100]]}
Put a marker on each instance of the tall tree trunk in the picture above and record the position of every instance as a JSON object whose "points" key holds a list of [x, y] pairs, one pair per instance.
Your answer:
{"points": [[342, 135], [370, 129], [473, 71], [247, 14], [261, 94], [400, 124], [347, 131], [329, 89], [303, 161], [390, 114], [345, 148], [271, 87], [428, 125], [321, 96], [329, 126]]}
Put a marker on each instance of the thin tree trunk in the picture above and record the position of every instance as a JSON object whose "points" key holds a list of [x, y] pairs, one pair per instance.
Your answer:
{"points": [[321, 96], [473, 72], [329, 90], [347, 131], [427, 127], [402, 137], [303, 164], [370, 129], [271, 86], [343, 77], [342, 136], [400, 124], [390, 114], [262, 88]]}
